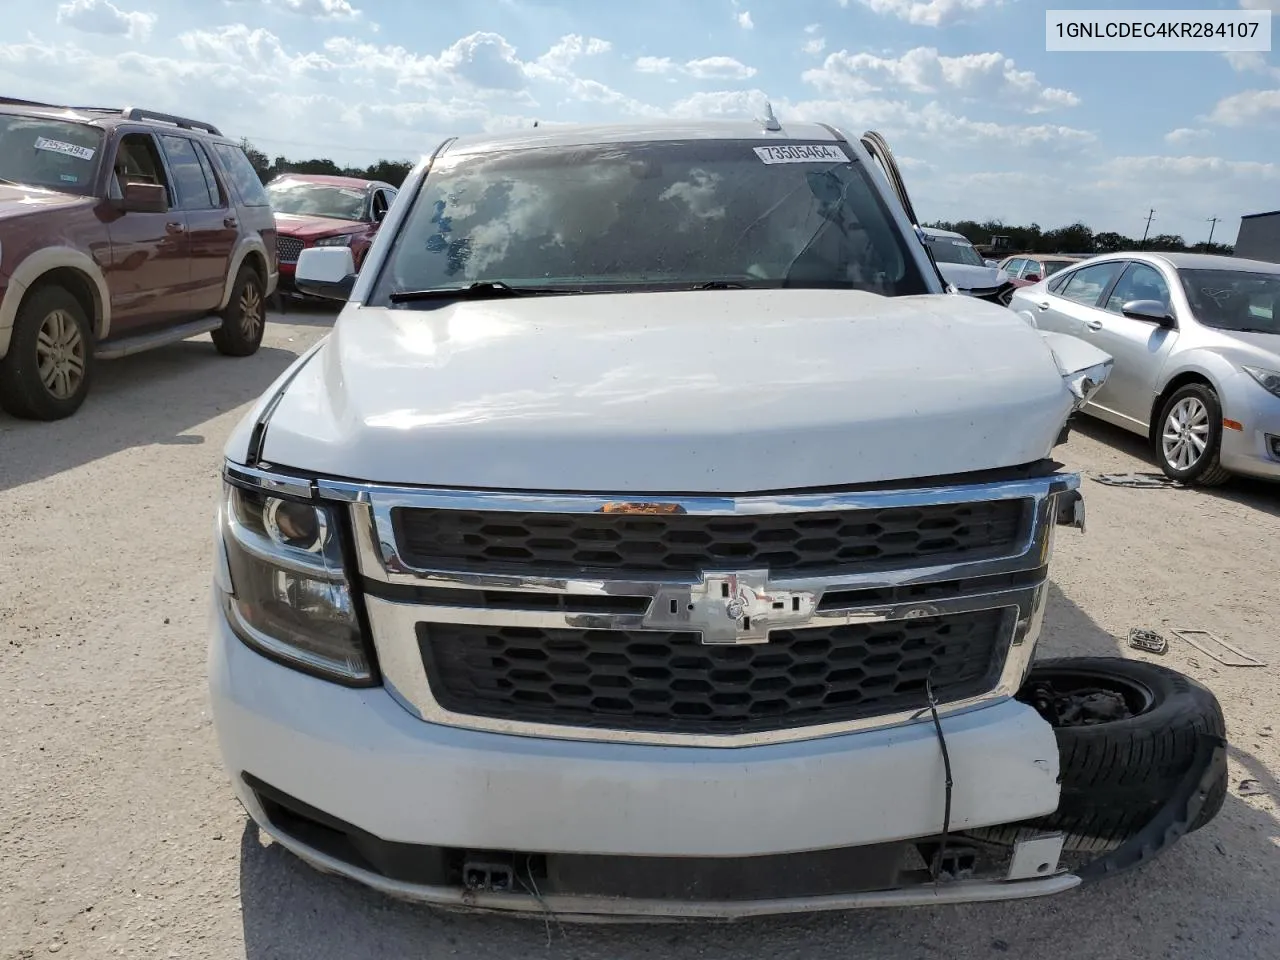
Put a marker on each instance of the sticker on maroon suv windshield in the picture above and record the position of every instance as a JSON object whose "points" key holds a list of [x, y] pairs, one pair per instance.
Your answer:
{"points": [[68, 149]]}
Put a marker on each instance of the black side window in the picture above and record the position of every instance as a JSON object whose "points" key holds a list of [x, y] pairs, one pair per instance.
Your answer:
{"points": [[210, 178], [380, 205], [241, 173], [193, 189], [1058, 282], [138, 161]]}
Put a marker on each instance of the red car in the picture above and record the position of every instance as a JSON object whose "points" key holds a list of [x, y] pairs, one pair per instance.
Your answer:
{"points": [[321, 211], [1033, 267]]}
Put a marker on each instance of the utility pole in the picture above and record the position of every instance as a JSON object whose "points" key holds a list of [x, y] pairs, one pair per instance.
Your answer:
{"points": [[1151, 215], [1213, 223]]}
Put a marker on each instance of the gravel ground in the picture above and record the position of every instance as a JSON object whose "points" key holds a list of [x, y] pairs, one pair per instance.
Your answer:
{"points": [[119, 835]]}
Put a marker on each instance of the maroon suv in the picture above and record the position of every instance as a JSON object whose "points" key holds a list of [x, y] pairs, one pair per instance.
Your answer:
{"points": [[121, 230], [323, 211]]}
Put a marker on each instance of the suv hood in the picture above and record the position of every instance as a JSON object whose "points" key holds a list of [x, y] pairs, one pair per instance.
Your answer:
{"points": [[965, 276], [17, 199], [300, 225], [710, 391]]}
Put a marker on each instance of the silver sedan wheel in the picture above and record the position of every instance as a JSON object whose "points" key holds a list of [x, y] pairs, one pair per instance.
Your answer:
{"points": [[60, 354], [1186, 434], [250, 311]]}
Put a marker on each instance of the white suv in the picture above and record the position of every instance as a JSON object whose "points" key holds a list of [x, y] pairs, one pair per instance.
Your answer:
{"points": [[654, 536]]}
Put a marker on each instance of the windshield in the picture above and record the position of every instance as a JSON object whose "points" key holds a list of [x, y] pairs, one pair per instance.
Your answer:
{"points": [[656, 215], [40, 152], [954, 250], [316, 199], [1234, 299]]}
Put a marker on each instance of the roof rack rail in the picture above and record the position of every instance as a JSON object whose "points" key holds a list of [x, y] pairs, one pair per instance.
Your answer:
{"points": [[138, 113]]}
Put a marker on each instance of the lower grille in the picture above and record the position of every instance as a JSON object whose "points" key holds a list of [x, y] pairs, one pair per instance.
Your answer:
{"points": [[670, 682], [288, 249]]}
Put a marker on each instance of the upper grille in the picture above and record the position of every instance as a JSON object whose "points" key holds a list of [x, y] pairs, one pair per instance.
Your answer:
{"points": [[568, 544], [672, 683], [288, 249]]}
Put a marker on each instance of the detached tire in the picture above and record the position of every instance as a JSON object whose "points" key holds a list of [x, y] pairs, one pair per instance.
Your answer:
{"points": [[245, 317], [1118, 773], [46, 373]]}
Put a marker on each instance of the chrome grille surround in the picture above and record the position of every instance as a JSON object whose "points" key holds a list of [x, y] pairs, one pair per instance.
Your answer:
{"points": [[1015, 581]]}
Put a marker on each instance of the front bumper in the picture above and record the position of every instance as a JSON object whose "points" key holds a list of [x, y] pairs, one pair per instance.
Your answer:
{"points": [[1250, 450], [362, 759]]}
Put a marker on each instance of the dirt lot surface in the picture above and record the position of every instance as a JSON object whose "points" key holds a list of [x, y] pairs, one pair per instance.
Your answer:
{"points": [[119, 835]]}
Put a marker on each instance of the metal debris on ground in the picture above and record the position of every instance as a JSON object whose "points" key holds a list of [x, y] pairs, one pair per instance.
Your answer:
{"points": [[1136, 480], [1212, 645], [1148, 640], [1250, 788]]}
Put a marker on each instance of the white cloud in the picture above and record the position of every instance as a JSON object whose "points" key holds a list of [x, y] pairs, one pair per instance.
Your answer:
{"points": [[568, 50], [102, 16], [719, 68], [1198, 169], [981, 76], [316, 9], [816, 42], [744, 20], [706, 68], [1251, 62], [1184, 135], [655, 64], [1247, 108], [927, 13]]}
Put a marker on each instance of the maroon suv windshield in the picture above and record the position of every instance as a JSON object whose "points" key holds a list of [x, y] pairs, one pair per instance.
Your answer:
{"points": [[40, 152]]}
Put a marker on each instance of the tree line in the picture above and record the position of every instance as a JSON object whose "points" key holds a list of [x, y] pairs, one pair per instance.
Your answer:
{"points": [[1074, 238], [387, 171]]}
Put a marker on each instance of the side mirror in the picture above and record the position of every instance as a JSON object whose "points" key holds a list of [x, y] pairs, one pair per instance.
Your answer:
{"points": [[990, 263], [144, 198], [1152, 311], [328, 272]]}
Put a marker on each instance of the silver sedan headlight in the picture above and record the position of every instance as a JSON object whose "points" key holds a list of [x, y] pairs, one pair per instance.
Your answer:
{"points": [[1268, 380], [285, 592]]}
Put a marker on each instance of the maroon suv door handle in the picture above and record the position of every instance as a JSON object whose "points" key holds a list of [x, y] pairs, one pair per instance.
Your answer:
{"points": [[174, 227], [229, 222]]}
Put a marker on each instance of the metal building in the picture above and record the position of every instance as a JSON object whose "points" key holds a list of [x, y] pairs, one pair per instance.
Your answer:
{"points": [[1259, 237]]}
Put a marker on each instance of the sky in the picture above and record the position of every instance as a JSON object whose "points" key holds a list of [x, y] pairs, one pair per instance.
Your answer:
{"points": [[985, 122]]}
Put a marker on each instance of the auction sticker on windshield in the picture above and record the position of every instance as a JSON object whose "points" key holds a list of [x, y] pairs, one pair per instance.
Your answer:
{"points": [[803, 153], [70, 149]]}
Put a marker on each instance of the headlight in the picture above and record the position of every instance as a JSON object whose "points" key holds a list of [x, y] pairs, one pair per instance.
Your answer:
{"points": [[1268, 380], [341, 240], [289, 597]]}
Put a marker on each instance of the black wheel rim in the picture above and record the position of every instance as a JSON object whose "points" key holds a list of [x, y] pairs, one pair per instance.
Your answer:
{"points": [[1085, 698]]}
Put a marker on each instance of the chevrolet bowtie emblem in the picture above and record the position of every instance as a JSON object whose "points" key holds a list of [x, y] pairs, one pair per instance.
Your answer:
{"points": [[731, 608]]}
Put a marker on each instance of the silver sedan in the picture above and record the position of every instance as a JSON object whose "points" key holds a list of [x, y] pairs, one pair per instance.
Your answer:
{"points": [[1196, 342]]}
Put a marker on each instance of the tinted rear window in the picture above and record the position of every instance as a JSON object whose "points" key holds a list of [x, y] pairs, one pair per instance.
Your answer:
{"points": [[242, 175]]}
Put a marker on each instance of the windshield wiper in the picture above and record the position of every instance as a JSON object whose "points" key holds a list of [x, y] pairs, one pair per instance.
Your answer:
{"points": [[721, 285], [480, 290]]}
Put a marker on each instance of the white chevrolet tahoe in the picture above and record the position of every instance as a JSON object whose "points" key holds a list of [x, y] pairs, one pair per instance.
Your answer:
{"points": [[654, 536]]}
